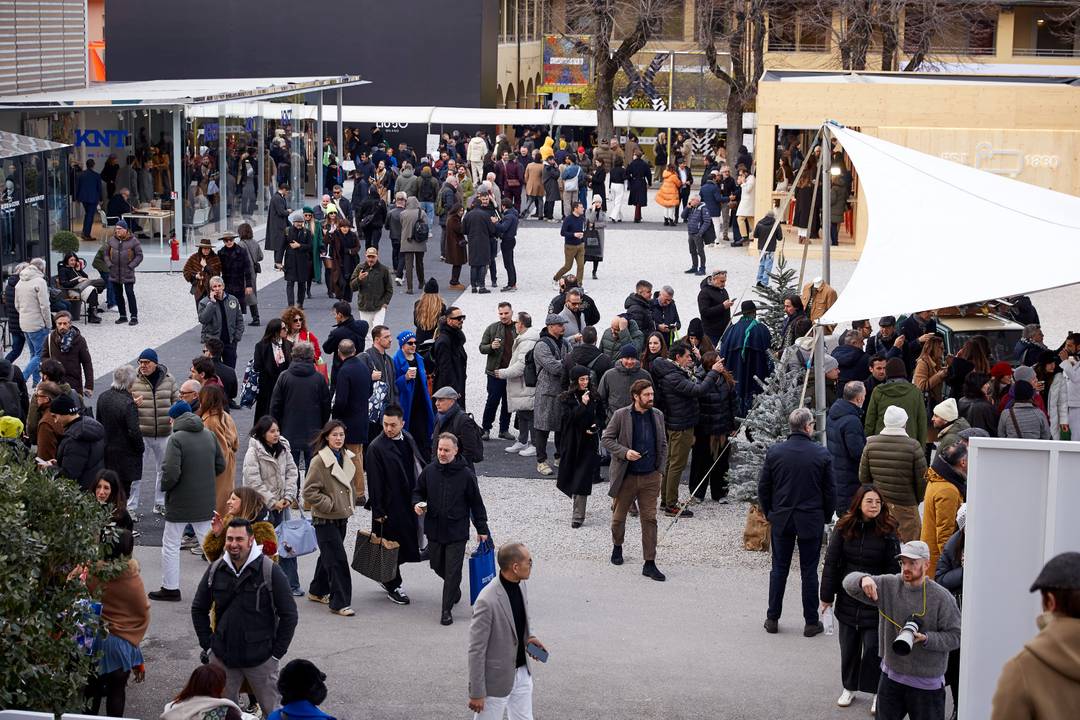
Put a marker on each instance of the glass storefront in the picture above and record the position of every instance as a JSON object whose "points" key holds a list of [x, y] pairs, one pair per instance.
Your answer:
{"points": [[33, 204]]}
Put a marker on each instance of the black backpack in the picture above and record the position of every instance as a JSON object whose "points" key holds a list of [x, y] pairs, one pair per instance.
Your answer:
{"points": [[421, 231], [10, 402], [532, 371]]}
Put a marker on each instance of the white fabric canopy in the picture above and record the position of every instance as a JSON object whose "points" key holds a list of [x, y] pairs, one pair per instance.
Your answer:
{"points": [[942, 234]]}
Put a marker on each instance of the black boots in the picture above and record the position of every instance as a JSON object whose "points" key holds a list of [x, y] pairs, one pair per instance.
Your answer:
{"points": [[616, 555], [91, 315], [650, 570], [254, 316]]}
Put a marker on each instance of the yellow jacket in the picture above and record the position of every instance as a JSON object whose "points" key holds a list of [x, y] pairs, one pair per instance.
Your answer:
{"points": [[546, 150], [940, 506]]}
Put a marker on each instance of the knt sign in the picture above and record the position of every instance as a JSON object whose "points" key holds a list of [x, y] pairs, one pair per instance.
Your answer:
{"points": [[100, 138]]}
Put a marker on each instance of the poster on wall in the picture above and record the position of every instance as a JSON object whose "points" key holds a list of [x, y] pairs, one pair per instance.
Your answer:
{"points": [[565, 70]]}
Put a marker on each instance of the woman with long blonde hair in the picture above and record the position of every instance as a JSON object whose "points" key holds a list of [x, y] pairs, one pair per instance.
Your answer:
{"points": [[427, 311], [931, 369]]}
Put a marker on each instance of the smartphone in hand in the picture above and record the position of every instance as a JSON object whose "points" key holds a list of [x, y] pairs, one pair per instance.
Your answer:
{"points": [[538, 653]]}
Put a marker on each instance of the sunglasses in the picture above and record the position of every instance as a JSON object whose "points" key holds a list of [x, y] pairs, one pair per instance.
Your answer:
{"points": [[457, 317], [410, 342]]}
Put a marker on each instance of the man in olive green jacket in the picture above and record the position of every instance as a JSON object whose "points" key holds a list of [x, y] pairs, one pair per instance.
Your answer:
{"points": [[193, 459], [896, 390], [497, 343], [896, 464]]}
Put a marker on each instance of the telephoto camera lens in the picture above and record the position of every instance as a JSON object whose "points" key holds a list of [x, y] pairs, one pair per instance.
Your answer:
{"points": [[905, 640]]}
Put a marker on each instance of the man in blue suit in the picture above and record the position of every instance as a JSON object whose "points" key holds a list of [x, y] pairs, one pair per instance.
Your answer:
{"points": [[88, 192], [797, 494]]}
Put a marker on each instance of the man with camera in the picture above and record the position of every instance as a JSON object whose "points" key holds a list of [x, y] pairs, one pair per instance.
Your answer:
{"points": [[919, 624]]}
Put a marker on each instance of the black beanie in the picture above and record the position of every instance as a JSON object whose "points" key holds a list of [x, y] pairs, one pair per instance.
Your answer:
{"points": [[895, 368], [1023, 392]]}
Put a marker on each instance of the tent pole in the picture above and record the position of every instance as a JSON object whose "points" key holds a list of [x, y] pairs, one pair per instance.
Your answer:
{"points": [[826, 207], [819, 381], [319, 152]]}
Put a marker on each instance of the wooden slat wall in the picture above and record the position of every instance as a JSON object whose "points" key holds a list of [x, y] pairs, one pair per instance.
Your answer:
{"points": [[42, 45]]}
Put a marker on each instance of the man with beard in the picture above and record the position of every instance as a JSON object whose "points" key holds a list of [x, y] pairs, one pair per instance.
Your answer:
{"points": [[393, 464], [448, 355], [446, 496]]}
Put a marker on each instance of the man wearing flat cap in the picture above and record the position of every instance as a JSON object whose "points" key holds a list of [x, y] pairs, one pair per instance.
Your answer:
{"points": [[1042, 681]]}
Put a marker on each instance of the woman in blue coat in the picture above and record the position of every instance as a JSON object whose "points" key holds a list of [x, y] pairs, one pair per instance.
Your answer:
{"points": [[412, 386]]}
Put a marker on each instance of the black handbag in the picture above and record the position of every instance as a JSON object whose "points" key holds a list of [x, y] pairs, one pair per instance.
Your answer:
{"points": [[375, 557]]}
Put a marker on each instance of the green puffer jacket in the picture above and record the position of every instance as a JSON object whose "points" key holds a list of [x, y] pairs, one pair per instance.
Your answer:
{"points": [[193, 460], [157, 398], [611, 344], [902, 394], [896, 464]]}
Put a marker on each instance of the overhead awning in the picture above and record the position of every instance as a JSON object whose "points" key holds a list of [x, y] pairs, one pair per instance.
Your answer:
{"points": [[166, 93], [941, 234], [12, 145]]}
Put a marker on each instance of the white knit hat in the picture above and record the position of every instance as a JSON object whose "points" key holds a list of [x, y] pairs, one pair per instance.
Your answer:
{"points": [[895, 417], [946, 410]]}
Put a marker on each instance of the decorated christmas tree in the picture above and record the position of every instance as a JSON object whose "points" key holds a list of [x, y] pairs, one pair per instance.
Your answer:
{"points": [[765, 424], [771, 303]]}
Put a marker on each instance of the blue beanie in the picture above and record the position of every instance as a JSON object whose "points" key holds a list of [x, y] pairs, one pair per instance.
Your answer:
{"points": [[179, 408], [404, 336], [121, 223], [149, 354], [628, 351]]}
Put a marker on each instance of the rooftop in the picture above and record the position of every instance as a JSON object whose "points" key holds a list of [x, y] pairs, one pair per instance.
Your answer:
{"points": [[179, 92]]}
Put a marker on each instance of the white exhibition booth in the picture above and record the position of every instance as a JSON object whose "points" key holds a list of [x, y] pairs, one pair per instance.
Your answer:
{"points": [[942, 234]]}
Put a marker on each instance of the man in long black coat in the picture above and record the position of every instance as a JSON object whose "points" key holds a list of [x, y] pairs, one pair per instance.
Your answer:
{"points": [[277, 219], [448, 355], [393, 464], [639, 177]]}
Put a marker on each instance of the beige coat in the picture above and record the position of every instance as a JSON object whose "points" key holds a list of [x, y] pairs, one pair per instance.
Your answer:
{"points": [[273, 478], [534, 179], [224, 430], [328, 489], [1042, 682]]}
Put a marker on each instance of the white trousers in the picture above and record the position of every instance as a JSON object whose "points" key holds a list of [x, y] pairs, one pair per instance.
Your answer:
{"points": [[1074, 423], [170, 550], [515, 706], [615, 202], [719, 228], [477, 171], [373, 318], [153, 455]]}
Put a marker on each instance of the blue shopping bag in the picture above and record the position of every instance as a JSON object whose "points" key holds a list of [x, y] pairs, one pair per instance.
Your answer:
{"points": [[481, 568]]}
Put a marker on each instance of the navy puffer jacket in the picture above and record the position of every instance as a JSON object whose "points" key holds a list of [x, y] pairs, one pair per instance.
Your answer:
{"points": [[681, 392]]}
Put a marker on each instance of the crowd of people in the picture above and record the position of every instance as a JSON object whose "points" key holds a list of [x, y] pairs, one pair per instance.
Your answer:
{"points": [[349, 422]]}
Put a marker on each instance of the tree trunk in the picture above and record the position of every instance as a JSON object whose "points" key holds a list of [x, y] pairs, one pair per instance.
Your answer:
{"points": [[734, 111], [605, 104]]}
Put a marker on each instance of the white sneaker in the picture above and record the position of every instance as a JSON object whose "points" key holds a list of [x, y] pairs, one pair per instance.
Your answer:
{"points": [[528, 451], [544, 469], [398, 281], [516, 447], [873, 706], [845, 698]]}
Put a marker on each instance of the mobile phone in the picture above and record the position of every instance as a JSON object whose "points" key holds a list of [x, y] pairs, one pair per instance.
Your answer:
{"points": [[538, 653]]}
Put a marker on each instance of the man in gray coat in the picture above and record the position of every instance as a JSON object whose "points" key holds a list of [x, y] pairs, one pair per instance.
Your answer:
{"points": [[548, 354], [222, 317], [500, 681], [479, 227], [637, 441]]}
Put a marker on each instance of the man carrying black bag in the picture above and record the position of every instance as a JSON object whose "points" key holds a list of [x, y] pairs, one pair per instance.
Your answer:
{"points": [[393, 463], [446, 495]]}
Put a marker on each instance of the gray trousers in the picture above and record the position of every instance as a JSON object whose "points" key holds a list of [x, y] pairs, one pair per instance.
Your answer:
{"points": [[262, 679]]}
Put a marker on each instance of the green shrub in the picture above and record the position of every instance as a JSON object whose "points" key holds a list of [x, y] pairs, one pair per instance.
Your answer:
{"points": [[65, 241], [49, 527]]}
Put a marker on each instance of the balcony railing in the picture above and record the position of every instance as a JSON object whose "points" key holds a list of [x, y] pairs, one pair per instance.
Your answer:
{"points": [[776, 46], [1045, 52]]}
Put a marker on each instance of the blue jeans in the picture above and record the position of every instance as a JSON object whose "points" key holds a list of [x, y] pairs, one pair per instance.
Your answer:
{"points": [[429, 208], [783, 543], [496, 399], [110, 291], [764, 268], [18, 341], [896, 700], [36, 340]]}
